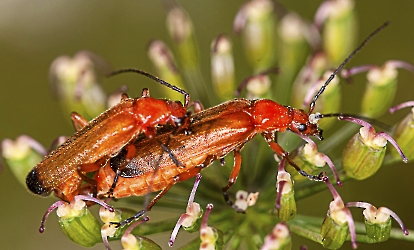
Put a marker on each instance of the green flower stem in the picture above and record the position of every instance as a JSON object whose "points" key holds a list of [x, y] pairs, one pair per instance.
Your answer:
{"points": [[301, 226], [396, 234], [309, 227]]}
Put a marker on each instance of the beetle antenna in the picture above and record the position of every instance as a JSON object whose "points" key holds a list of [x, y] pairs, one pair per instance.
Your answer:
{"points": [[169, 85], [332, 76], [364, 118]]}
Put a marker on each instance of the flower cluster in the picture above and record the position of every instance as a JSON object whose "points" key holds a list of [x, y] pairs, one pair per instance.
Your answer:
{"points": [[268, 215]]}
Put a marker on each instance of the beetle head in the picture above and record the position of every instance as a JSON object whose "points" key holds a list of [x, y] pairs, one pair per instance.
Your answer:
{"points": [[305, 124]]}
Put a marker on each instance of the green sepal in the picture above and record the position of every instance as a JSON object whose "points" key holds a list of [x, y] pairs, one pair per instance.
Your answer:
{"points": [[378, 98], [287, 209], [380, 232], [20, 166], [333, 234], [361, 161], [404, 136], [84, 229]]}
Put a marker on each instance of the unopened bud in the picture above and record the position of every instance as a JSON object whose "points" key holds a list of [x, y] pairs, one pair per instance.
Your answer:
{"points": [[339, 29], [181, 30], [304, 83], [76, 82], [279, 239], [364, 153], [22, 155], [222, 67], [329, 102], [163, 61], [258, 87], [210, 237], [78, 224], [338, 222], [381, 85], [191, 216], [293, 51], [285, 200], [256, 21], [378, 221], [404, 133], [380, 90], [311, 161], [132, 242]]}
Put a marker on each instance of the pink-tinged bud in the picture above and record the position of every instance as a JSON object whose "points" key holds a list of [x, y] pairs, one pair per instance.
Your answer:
{"points": [[210, 237], [338, 223], [22, 155], [364, 153], [404, 133], [378, 221], [256, 22], [116, 96], [311, 161], [339, 28], [75, 81], [279, 239], [222, 67], [329, 102], [132, 242], [193, 213], [381, 85], [181, 30], [163, 61], [76, 222], [285, 198], [258, 87], [293, 51], [109, 230], [310, 74]]}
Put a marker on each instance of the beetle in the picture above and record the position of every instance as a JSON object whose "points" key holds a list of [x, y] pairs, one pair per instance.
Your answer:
{"points": [[212, 134], [95, 142]]}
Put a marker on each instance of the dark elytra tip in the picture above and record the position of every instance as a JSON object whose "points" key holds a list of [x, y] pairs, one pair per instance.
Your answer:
{"points": [[35, 185]]}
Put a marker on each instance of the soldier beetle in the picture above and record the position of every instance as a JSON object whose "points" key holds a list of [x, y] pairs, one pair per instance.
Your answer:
{"points": [[212, 134], [63, 170]]}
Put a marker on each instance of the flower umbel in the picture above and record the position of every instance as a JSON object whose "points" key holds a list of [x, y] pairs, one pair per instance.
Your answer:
{"points": [[331, 37]]}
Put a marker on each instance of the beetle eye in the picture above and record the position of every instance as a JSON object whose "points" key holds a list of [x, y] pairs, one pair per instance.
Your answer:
{"points": [[179, 121], [302, 127]]}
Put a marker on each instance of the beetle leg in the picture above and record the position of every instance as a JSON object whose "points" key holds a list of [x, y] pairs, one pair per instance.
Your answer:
{"points": [[171, 155], [149, 133], [124, 96], [88, 180], [131, 150], [197, 105], [145, 92], [232, 179], [142, 212], [78, 121], [181, 177], [282, 153], [91, 167]]}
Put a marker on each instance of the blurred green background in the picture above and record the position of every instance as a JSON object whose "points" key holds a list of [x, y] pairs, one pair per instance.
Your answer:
{"points": [[33, 33]]}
